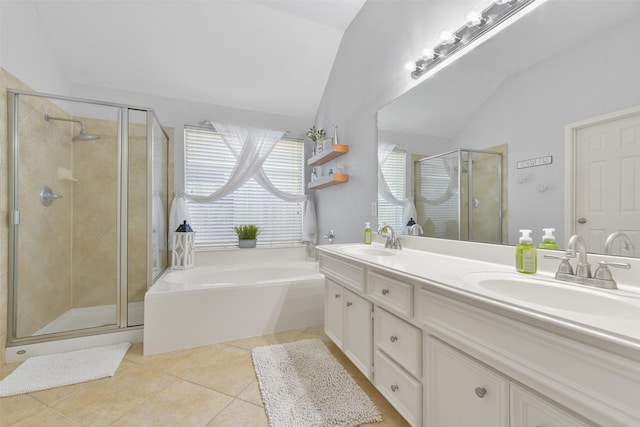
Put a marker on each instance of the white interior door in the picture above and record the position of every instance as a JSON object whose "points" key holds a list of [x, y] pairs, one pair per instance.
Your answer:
{"points": [[608, 182]]}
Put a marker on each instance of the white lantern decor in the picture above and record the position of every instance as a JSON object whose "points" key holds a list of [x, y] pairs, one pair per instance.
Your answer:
{"points": [[182, 253]]}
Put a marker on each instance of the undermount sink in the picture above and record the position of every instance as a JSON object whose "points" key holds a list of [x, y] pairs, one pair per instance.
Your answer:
{"points": [[555, 295], [365, 250]]}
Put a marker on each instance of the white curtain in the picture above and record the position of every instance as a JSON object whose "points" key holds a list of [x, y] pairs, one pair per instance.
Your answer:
{"points": [[178, 213], [251, 147], [383, 188], [409, 208]]}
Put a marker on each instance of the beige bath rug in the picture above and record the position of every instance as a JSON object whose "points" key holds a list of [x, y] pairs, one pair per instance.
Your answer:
{"points": [[56, 370], [302, 384]]}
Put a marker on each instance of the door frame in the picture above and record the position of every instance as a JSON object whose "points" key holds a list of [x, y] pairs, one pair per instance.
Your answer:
{"points": [[570, 167]]}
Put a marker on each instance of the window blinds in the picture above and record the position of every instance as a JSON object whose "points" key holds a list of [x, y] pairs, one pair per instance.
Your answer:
{"points": [[209, 164], [394, 169]]}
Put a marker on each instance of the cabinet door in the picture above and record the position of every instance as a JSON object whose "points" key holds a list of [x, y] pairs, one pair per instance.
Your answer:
{"points": [[334, 300], [462, 392], [530, 410], [357, 343]]}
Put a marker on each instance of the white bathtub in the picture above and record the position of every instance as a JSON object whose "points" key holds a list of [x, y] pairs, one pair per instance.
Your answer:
{"points": [[206, 305]]}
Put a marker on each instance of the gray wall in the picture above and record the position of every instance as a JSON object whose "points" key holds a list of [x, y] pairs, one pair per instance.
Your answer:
{"points": [[367, 74]]}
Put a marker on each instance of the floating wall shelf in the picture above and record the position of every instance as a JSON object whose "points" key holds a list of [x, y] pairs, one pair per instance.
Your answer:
{"points": [[329, 180], [326, 155]]}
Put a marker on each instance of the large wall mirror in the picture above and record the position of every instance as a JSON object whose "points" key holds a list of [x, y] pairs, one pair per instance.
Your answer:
{"points": [[557, 96]]}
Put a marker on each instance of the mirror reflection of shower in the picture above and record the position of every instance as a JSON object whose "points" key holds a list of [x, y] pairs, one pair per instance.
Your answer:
{"points": [[82, 136], [459, 195]]}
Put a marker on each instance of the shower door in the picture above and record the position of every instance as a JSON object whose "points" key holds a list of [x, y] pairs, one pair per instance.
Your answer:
{"points": [[80, 203]]}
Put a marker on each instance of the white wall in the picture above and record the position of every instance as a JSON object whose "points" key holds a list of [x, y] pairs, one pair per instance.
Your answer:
{"points": [[176, 113], [26, 53], [25, 49], [529, 112], [367, 74]]}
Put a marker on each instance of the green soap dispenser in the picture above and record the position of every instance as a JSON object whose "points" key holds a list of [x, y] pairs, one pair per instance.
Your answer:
{"points": [[367, 233], [548, 240], [526, 254]]}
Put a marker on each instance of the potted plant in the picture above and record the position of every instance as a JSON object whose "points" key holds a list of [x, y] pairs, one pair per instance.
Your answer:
{"points": [[247, 235]]}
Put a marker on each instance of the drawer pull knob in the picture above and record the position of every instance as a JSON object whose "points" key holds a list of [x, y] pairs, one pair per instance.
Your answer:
{"points": [[349, 304], [394, 388], [393, 338], [385, 291], [337, 295], [480, 392]]}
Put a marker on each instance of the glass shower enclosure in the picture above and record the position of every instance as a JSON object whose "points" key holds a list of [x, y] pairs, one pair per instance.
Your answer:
{"points": [[459, 195], [88, 197]]}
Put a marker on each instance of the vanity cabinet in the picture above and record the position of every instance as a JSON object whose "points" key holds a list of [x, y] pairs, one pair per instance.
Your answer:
{"points": [[460, 391], [348, 324], [446, 359], [334, 312], [398, 364], [530, 410]]}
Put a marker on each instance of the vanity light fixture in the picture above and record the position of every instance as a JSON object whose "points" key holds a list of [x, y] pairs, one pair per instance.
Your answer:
{"points": [[476, 24]]}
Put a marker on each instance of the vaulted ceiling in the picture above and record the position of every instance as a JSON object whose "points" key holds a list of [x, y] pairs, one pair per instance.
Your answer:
{"points": [[263, 55]]}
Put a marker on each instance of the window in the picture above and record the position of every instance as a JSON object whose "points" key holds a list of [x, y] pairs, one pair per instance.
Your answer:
{"points": [[208, 165], [394, 169]]}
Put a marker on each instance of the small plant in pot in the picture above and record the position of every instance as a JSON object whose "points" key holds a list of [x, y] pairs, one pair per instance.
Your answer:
{"points": [[247, 235]]}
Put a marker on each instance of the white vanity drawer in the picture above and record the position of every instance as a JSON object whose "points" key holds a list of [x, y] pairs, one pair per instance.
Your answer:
{"points": [[390, 293], [344, 273], [399, 340], [399, 388]]}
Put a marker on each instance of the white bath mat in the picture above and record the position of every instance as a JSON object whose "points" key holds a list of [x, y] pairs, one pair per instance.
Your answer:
{"points": [[302, 384], [56, 370]]}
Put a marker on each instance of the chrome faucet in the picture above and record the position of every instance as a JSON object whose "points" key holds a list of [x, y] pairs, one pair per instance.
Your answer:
{"points": [[416, 230], [330, 236], [628, 244], [392, 242], [602, 277], [577, 243]]}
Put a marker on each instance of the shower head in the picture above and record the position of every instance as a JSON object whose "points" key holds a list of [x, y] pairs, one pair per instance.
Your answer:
{"points": [[82, 136]]}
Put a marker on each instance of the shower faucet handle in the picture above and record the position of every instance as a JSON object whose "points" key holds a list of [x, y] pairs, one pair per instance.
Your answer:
{"points": [[47, 196]]}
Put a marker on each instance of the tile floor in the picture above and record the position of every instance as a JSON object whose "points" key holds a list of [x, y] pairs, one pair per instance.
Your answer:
{"points": [[213, 385]]}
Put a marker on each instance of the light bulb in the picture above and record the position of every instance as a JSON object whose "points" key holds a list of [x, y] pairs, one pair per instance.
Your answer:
{"points": [[447, 37], [473, 18], [428, 53]]}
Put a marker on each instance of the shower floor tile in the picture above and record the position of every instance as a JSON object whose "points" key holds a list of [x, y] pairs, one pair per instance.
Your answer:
{"points": [[206, 386]]}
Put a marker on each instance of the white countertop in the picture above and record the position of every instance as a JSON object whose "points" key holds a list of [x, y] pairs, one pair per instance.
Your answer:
{"points": [[603, 325]]}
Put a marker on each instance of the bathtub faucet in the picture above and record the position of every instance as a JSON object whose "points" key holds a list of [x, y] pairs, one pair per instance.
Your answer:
{"points": [[330, 236]]}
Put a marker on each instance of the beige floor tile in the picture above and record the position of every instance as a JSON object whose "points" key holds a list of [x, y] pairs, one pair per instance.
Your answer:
{"points": [[16, 408], [176, 362], [277, 338], [106, 400], [47, 418], [181, 404], [240, 414], [229, 371], [316, 330], [7, 369], [98, 407], [53, 395], [252, 394]]}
